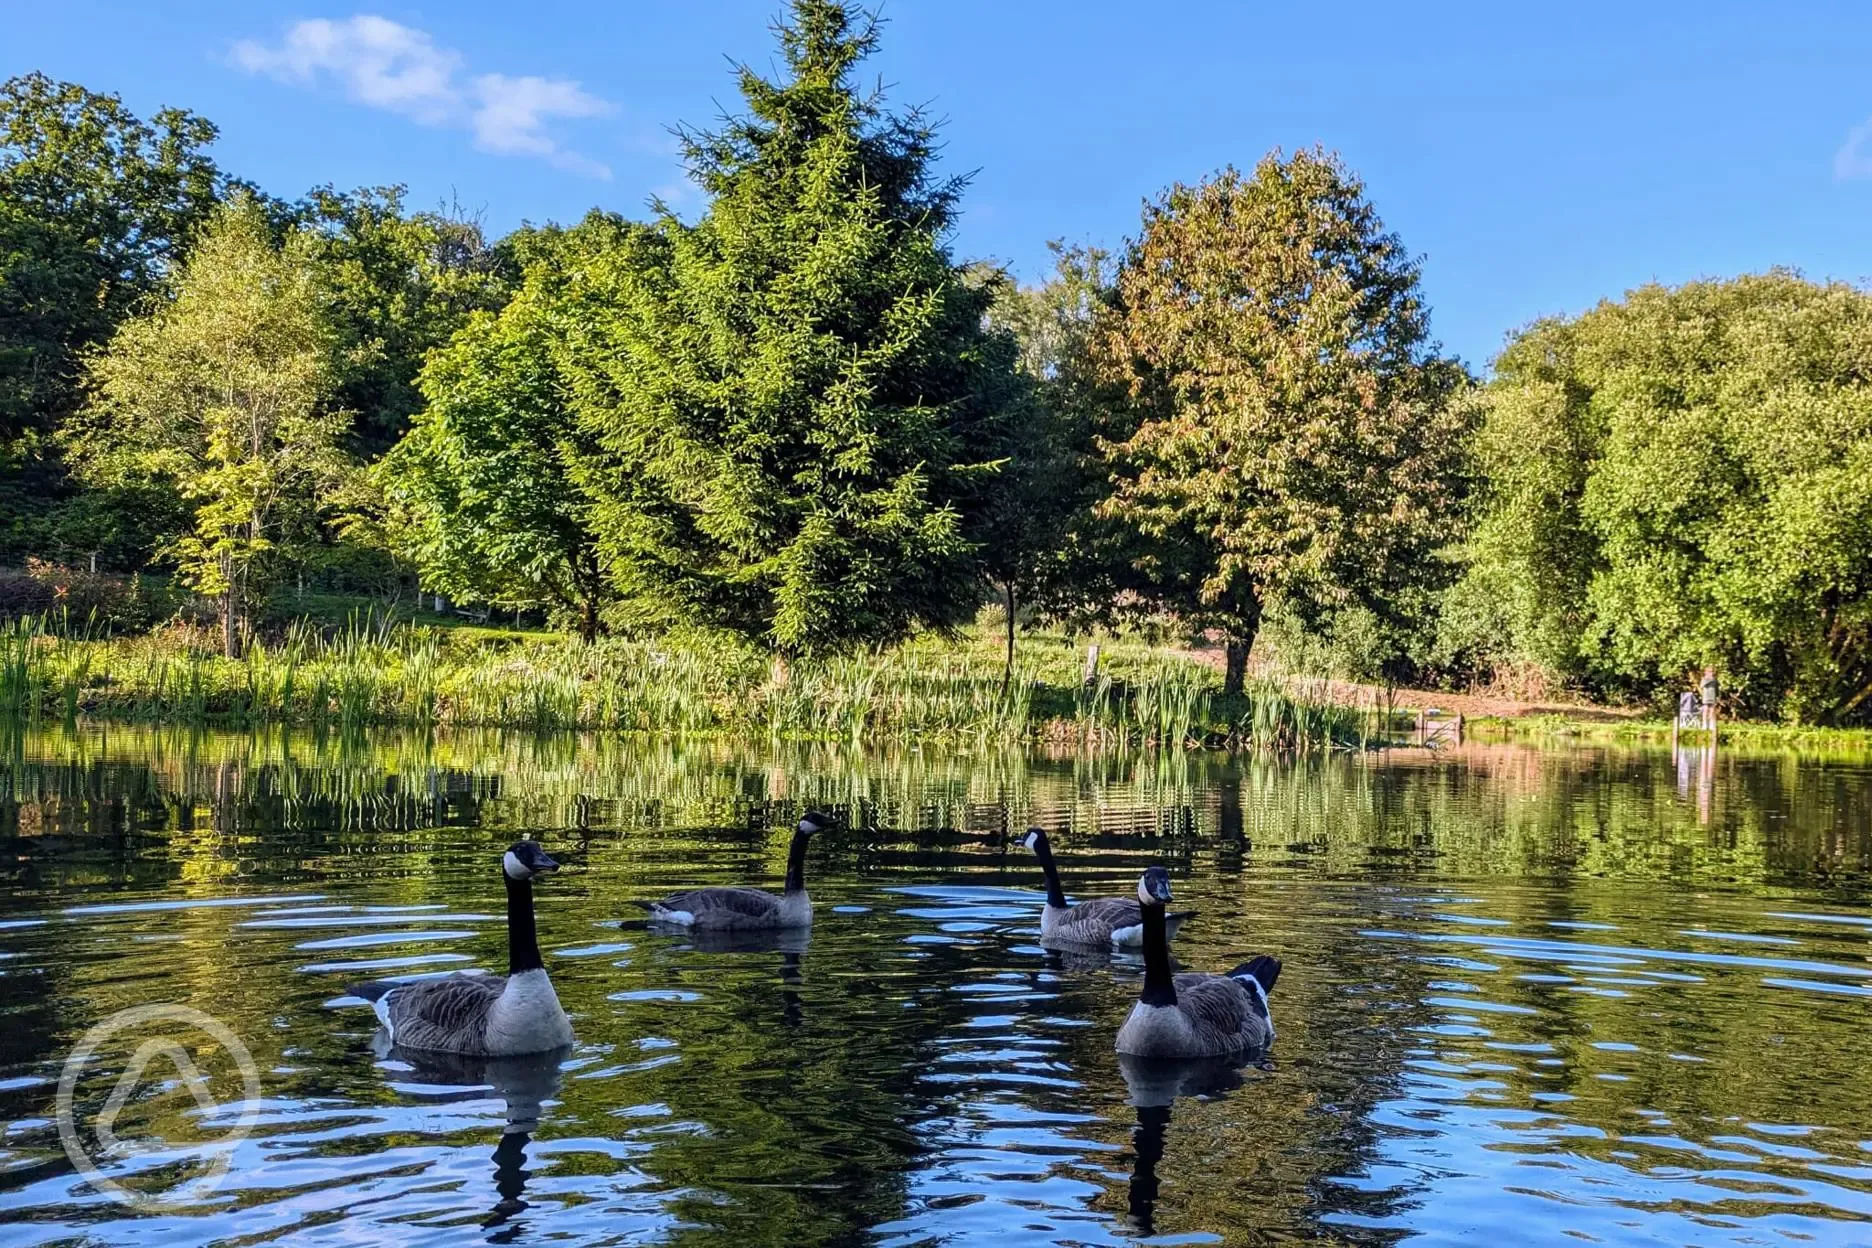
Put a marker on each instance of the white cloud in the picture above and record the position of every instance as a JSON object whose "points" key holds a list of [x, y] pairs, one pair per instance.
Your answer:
{"points": [[401, 70], [1854, 158]]}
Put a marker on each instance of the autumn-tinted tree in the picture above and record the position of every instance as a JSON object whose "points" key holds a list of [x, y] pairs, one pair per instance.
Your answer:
{"points": [[1291, 439], [1685, 477], [794, 401], [219, 393], [480, 491]]}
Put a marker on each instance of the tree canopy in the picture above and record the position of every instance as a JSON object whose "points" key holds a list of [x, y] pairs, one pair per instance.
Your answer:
{"points": [[1290, 438], [481, 491], [220, 391], [1685, 477], [794, 403], [95, 206]]}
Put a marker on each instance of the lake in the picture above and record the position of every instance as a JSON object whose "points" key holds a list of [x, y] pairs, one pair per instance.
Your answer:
{"points": [[1553, 995]]}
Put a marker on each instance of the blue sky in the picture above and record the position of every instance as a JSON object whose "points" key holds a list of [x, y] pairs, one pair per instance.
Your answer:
{"points": [[1539, 160]]}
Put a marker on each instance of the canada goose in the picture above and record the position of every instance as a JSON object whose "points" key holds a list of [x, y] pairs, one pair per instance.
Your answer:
{"points": [[1194, 1014], [725, 909], [1116, 921], [483, 1015]]}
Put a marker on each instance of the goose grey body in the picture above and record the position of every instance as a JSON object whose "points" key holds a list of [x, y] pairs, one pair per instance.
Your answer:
{"points": [[747, 909], [1114, 921], [482, 1015], [1194, 1015]]}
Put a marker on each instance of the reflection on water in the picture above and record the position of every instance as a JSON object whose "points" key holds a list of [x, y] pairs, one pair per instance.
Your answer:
{"points": [[1549, 995]]}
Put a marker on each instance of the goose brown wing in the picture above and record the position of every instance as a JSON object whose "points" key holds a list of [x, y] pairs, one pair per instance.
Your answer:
{"points": [[1096, 918], [1214, 1002], [448, 1014], [741, 902]]}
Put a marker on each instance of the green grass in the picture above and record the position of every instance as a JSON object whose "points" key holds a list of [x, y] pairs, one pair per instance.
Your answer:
{"points": [[376, 671], [1741, 733]]}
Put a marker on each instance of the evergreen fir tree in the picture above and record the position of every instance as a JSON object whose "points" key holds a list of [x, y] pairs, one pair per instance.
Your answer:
{"points": [[796, 407]]}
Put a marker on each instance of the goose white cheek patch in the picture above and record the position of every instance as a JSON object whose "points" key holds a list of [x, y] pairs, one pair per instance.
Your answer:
{"points": [[515, 869]]}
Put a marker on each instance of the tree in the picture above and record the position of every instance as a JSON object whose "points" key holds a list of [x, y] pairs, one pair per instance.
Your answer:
{"points": [[1681, 478], [95, 206], [1045, 545], [480, 489], [1291, 439], [794, 402], [220, 391], [398, 285]]}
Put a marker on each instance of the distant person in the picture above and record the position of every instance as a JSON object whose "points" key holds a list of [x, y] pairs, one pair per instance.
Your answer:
{"points": [[1709, 692], [1687, 709]]}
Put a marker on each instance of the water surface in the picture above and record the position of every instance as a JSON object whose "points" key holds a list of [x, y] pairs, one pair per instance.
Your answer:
{"points": [[1551, 996]]}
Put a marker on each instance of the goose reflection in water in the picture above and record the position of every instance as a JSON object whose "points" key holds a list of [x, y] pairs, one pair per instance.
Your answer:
{"points": [[790, 943], [527, 1084], [1153, 1085]]}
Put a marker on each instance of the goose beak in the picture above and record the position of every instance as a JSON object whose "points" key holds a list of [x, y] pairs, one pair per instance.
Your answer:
{"points": [[544, 863]]}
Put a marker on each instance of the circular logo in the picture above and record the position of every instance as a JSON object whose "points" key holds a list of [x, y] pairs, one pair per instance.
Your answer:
{"points": [[209, 1033]]}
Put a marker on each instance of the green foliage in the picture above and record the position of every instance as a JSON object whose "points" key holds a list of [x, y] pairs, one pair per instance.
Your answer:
{"points": [[480, 490], [1052, 544], [795, 407], [95, 206], [1681, 478], [219, 392], [1291, 440], [397, 284], [371, 671]]}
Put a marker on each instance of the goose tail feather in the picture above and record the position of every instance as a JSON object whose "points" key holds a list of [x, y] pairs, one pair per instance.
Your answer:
{"points": [[1264, 969], [371, 990]]}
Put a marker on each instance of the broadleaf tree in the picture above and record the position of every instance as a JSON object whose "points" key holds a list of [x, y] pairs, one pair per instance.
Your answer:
{"points": [[96, 205], [220, 391], [1047, 547], [480, 491], [398, 284], [1684, 477], [1291, 441], [795, 406]]}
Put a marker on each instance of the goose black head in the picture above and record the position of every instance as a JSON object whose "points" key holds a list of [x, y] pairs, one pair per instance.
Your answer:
{"points": [[1154, 888], [815, 821], [525, 860], [1035, 838]]}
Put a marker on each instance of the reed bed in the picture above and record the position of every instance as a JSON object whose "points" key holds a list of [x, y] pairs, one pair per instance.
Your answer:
{"points": [[373, 673]]}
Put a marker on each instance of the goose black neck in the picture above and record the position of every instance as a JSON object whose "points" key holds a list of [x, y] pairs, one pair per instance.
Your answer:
{"points": [[1159, 986], [1056, 896], [796, 864], [523, 951]]}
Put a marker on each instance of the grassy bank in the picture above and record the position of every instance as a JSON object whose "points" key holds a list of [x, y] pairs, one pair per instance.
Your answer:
{"points": [[1742, 733], [376, 673]]}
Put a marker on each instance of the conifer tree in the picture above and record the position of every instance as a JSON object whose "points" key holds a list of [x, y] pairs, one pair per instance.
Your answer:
{"points": [[795, 406]]}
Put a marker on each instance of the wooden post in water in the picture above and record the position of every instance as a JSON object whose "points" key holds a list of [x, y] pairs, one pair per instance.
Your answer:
{"points": [[1091, 665]]}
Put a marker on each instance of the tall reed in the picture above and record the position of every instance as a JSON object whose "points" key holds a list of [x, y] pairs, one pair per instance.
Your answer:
{"points": [[372, 672]]}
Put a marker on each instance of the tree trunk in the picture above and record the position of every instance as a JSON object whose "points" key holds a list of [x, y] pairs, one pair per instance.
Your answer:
{"points": [[230, 645], [588, 621], [1007, 672], [1240, 639], [1235, 674]]}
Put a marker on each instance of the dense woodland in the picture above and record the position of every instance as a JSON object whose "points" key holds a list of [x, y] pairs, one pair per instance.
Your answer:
{"points": [[801, 421]]}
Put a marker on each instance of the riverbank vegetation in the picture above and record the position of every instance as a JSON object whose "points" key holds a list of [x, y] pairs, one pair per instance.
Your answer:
{"points": [[372, 673], [760, 466]]}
